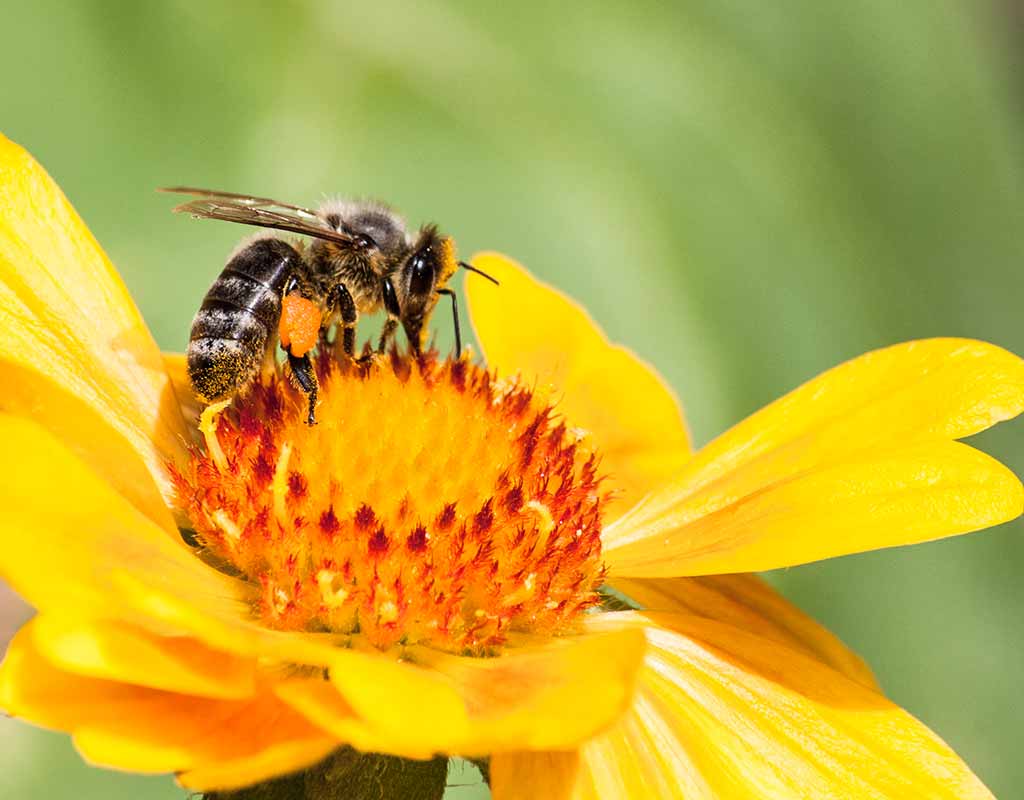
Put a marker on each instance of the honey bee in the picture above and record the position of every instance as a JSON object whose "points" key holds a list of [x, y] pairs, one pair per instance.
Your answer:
{"points": [[361, 259]]}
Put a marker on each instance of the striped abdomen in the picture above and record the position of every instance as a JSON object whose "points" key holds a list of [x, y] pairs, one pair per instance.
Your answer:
{"points": [[238, 318]]}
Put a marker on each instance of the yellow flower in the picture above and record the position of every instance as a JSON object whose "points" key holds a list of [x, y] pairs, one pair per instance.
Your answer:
{"points": [[410, 577]]}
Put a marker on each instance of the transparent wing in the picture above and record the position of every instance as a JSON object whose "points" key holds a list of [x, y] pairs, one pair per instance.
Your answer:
{"points": [[237, 199], [263, 213]]}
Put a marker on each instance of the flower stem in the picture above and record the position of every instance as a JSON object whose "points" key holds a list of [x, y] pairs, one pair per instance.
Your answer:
{"points": [[350, 775]]}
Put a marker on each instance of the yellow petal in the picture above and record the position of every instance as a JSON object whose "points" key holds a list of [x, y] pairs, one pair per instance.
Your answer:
{"points": [[525, 326], [120, 652], [925, 391], [95, 556], [268, 762], [549, 696], [191, 406], [749, 603], [552, 775], [220, 618], [923, 492], [65, 556], [145, 730], [380, 704], [75, 354], [722, 713]]}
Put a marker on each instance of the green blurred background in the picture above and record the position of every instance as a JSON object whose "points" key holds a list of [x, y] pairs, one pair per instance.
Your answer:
{"points": [[745, 193]]}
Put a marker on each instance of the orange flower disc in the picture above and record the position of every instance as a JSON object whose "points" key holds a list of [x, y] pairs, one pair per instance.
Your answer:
{"points": [[431, 504], [299, 328]]}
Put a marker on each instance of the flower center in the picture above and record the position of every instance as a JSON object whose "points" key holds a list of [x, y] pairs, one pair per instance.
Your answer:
{"points": [[431, 504]]}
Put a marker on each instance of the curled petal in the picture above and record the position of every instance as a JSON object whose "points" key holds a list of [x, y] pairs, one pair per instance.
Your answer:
{"points": [[76, 355], [526, 326]]}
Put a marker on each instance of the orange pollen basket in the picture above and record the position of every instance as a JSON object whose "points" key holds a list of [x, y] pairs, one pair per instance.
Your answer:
{"points": [[299, 327], [432, 504]]}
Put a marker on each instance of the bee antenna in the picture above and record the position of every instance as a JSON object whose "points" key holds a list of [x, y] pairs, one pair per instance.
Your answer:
{"points": [[471, 268]]}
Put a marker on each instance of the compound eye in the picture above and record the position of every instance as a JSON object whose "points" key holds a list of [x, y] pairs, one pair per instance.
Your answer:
{"points": [[421, 275]]}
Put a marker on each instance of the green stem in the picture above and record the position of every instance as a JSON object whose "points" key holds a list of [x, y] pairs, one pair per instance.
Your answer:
{"points": [[350, 775]]}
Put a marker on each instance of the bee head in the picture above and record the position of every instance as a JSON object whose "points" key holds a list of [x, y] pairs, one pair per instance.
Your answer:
{"points": [[427, 269]]}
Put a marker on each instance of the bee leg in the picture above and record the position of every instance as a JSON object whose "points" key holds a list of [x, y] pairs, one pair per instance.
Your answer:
{"points": [[305, 376], [455, 317], [394, 313], [387, 334], [341, 299]]}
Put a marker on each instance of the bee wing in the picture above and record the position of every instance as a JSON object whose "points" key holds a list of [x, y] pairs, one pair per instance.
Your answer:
{"points": [[237, 199], [249, 213]]}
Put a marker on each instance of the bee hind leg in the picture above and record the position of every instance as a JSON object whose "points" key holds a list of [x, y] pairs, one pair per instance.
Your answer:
{"points": [[305, 377], [455, 318]]}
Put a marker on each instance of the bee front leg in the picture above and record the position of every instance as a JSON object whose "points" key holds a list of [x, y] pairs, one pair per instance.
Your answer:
{"points": [[305, 377], [455, 318]]}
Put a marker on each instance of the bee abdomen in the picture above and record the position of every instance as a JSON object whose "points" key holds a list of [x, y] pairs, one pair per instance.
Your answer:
{"points": [[238, 317], [218, 368]]}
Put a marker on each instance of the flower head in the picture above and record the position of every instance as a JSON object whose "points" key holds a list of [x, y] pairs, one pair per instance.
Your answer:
{"points": [[412, 576], [433, 505]]}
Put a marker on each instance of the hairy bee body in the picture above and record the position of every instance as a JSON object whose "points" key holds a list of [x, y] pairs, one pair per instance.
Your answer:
{"points": [[360, 272], [238, 317]]}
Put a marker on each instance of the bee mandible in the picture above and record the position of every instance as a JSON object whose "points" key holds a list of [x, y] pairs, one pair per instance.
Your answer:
{"points": [[361, 259]]}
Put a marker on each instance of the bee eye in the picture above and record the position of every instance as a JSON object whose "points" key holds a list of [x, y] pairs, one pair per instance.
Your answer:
{"points": [[421, 275]]}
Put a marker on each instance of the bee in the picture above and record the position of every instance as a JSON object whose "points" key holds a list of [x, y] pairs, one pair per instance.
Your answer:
{"points": [[360, 259]]}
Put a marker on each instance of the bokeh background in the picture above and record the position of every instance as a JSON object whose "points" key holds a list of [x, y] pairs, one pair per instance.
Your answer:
{"points": [[746, 193]]}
